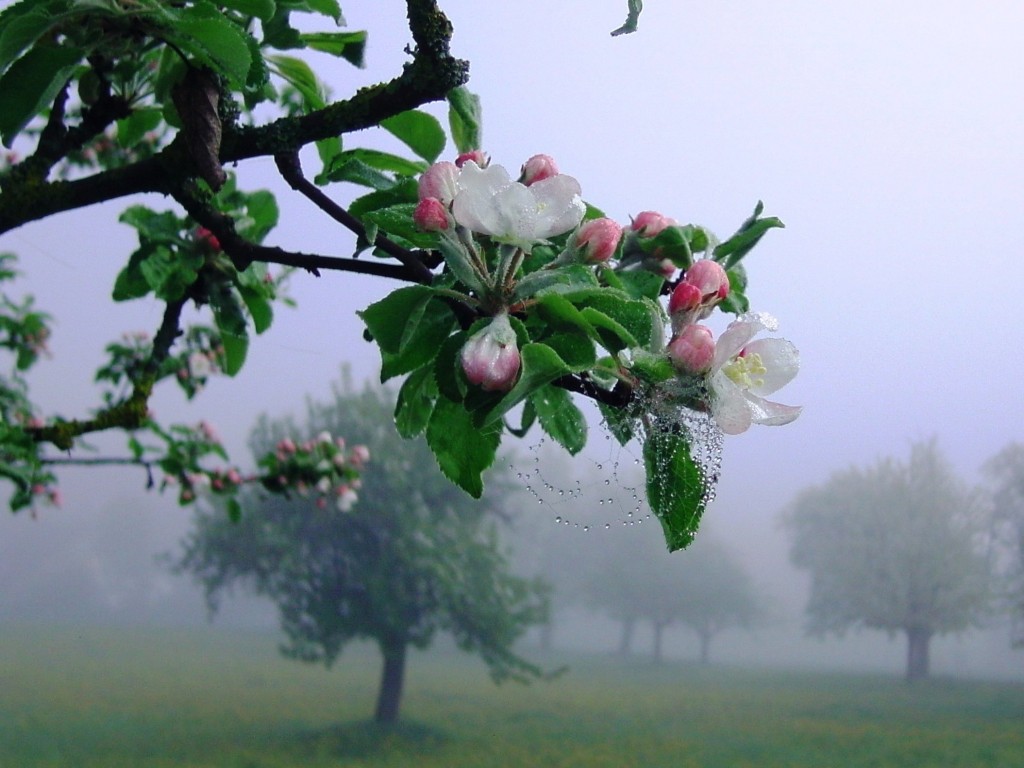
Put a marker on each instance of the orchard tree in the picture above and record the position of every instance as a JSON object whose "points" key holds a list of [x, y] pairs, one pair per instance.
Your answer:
{"points": [[897, 547], [520, 296], [707, 591], [393, 558], [1006, 471]]}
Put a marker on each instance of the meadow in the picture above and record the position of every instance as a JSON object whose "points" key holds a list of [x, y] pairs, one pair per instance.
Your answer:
{"points": [[105, 698]]}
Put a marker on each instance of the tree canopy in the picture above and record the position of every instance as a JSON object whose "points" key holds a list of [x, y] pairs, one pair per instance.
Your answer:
{"points": [[897, 546], [1006, 472], [404, 556]]}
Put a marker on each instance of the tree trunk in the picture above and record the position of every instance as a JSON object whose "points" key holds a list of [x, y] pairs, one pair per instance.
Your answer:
{"points": [[658, 629], [626, 639], [389, 697], [705, 647], [917, 653]]}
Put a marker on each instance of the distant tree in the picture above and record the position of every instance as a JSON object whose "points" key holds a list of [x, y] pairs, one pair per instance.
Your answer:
{"points": [[704, 589], [894, 547], [1006, 471], [412, 556]]}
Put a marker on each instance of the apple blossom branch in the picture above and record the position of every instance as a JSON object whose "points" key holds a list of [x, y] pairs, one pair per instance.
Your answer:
{"points": [[432, 73]]}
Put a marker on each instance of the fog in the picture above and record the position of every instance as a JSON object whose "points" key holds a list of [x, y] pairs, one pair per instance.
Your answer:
{"points": [[888, 138]]}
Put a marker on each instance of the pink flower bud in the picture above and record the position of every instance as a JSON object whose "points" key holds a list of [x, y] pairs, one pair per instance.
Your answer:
{"points": [[55, 498], [440, 181], [490, 358], [597, 240], [206, 236], [234, 477], [651, 223], [692, 350], [286, 446], [685, 298], [709, 277], [431, 215], [538, 168], [478, 156], [360, 454]]}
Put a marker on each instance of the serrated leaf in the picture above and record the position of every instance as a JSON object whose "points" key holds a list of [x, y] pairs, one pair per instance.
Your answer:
{"points": [[462, 449], [415, 402], [329, 8], [561, 280], [421, 132], [169, 273], [355, 171], [350, 46], [387, 319], [675, 486], [464, 118], [447, 368], [426, 329], [397, 221], [612, 335], [618, 422], [30, 85], [130, 282], [560, 418], [634, 315]]}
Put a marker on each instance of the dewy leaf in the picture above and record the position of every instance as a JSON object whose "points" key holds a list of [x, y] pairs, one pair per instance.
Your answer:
{"points": [[31, 84], [560, 280], [634, 315], [464, 118], [390, 320], [421, 132], [560, 418], [675, 486], [463, 450]]}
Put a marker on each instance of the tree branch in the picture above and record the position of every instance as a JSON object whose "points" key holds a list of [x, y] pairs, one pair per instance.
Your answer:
{"points": [[291, 170], [431, 74]]}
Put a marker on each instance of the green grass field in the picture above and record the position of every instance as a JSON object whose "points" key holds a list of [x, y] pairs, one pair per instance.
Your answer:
{"points": [[92, 698]]}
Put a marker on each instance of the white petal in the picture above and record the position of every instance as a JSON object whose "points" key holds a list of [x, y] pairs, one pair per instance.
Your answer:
{"points": [[559, 206], [771, 414], [733, 339], [729, 405], [781, 358]]}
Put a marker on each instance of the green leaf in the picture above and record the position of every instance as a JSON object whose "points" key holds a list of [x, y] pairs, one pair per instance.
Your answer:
{"points": [[131, 129], [729, 253], [234, 510], [381, 161], [405, 191], [21, 31], [329, 8], [131, 283], [216, 41], [736, 302], [426, 329], [575, 348], [611, 334], [397, 221], [387, 319], [350, 46], [560, 418], [415, 402], [561, 280], [31, 84], [634, 315], [421, 132], [464, 116], [354, 170], [262, 9], [638, 283], [675, 486], [299, 74], [230, 321], [169, 273], [619, 422], [635, 6], [540, 365], [448, 367], [463, 450], [457, 257], [261, 310]]}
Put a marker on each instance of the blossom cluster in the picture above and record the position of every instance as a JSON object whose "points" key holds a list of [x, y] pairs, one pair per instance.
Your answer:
{"points": [[489, 222], [322, 468]]}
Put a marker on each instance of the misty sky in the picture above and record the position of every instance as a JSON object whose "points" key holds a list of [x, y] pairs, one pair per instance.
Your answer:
{"points": [[887, 136]]}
